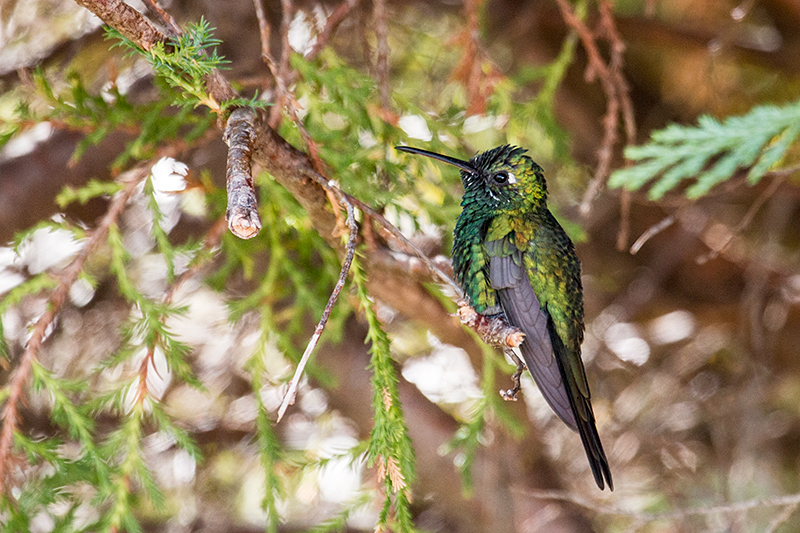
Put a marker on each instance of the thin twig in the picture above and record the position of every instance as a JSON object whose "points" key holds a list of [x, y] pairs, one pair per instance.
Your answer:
{"points": [[291, 393], [333, 22], [616, 65], [382, 62], [651, 232], [470, 69], [624, 232], [281, 69], [22, 373], [285, 96], [746, 220], [731, 508], [779, 519], [165, 17], [242, 213], [476, 105], [618, 102], [263, 27], [410, 246]]}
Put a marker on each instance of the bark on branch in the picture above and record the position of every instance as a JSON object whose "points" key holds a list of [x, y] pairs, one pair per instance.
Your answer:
{"points": [[242, 213]]}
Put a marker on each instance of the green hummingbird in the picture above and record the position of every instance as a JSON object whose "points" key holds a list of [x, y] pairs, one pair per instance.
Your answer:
{"points": [[513, 259]]}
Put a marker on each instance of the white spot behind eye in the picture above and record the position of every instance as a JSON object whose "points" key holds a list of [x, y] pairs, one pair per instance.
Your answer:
{"points": [[511, 178]]}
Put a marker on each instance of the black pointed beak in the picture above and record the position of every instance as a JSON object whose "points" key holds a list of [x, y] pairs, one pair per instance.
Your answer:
{"points": [[463, 165]]}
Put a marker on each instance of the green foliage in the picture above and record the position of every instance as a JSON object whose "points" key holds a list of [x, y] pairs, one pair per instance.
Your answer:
{"points": [[532, 120], [389, 443], [711, 152], [339, 522], [75, 107], [344, 118], [93, 189], [184, 62], [268, 445]]}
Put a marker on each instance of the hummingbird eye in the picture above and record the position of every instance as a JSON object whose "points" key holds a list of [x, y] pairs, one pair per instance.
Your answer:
{"points": [[501, 177]]}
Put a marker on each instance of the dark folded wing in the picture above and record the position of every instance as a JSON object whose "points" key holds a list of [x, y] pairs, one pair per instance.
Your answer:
{"points": [[519, 301], [540, 350]]}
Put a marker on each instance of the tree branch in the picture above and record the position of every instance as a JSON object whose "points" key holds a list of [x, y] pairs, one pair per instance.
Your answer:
{"points": [[242, 213]]}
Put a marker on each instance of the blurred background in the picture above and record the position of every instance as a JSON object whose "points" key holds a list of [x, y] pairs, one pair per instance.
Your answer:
{"points": [[692, 305]]}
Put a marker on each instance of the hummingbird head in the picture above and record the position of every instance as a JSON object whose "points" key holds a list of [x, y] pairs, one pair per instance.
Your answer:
{"points": [[500, 178]]}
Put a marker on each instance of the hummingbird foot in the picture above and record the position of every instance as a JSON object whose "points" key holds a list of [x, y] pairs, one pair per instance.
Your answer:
{"points": [[510, 395]]}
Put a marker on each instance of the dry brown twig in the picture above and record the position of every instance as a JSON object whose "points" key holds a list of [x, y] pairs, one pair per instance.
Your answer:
{"points": [[788, 500], [470, 69], [280, 70], [779, 177], [22, 373], [777, 181], [615, 87], [336, 197], [350, 247], [382, 61], [334, 20]]}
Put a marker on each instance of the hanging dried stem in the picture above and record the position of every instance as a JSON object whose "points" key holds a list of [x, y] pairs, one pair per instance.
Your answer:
{"points": [[350, 250], [242, 213], [470, 69], [20, 376], [615, 87], [334, 20], [651, 232], [382, 62]]}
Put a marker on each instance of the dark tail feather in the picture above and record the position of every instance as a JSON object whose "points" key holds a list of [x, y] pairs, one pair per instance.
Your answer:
{"points": [[584, 415]]}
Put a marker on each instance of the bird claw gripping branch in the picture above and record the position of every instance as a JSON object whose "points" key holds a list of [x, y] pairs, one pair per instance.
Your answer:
{"points": [[495, 331], [510, 395]]}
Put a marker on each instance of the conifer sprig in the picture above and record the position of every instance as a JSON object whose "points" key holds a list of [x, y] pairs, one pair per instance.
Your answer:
{"points": [[389, 443], [711, 152]]}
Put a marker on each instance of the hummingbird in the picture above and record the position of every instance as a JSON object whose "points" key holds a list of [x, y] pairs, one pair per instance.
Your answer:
{"points": [[513, 259]]}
